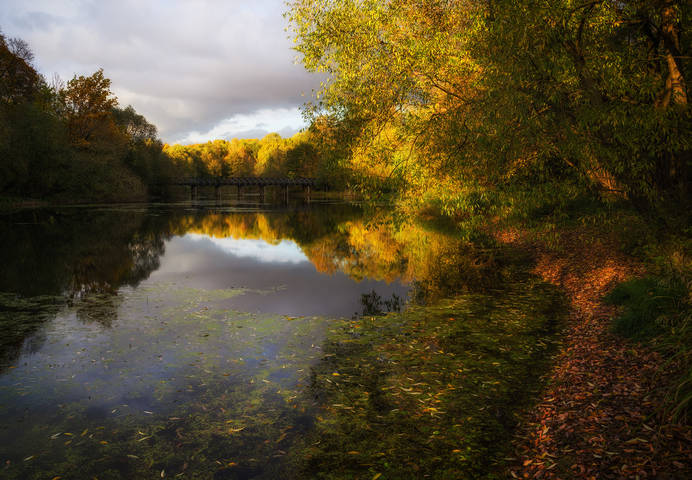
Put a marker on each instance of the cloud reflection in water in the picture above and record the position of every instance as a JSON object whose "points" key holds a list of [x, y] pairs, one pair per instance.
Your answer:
{"points": [[286, 251]]}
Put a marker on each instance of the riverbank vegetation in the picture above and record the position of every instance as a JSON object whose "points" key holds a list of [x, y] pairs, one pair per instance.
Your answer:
{"points": [[546, 118], [69, 141]]}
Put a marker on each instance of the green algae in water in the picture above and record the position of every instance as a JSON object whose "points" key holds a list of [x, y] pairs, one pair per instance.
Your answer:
{"points": [[432, 392], [189, 388]]}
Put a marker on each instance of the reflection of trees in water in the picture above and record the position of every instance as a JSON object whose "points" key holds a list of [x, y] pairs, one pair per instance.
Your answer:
{"points": [[74, 253], [76, 258], [20, 319], [83, 256], [373, 304]]}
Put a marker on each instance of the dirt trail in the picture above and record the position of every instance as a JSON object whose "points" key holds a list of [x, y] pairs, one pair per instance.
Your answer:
{"points": [[601, 413]]}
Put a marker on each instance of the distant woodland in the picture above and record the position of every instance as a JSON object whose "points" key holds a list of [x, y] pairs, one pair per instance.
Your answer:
{"points": [[72, 142]]}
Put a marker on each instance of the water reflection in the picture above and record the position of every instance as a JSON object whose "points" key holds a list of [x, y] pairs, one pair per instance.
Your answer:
{"points": [[286, 251], [175, 340], [81, 257]]}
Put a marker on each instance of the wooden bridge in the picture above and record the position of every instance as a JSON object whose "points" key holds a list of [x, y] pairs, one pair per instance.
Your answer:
{"points": [[260, 182]]}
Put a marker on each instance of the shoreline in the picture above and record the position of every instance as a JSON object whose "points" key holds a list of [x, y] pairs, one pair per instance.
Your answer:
{"points": [[602, 413]]}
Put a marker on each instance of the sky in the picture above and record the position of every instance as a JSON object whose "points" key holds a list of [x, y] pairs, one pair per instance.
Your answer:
{"points": [[197, 69]]}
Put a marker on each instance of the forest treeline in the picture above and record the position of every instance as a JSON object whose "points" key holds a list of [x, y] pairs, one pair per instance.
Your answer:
{"points": [[466, 106], [467, 103], [69, 141], [301, 155], [72, 142]]}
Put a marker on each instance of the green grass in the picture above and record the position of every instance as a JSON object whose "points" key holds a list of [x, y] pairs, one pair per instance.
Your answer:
{"points": [[657, 310], [651, 307]]}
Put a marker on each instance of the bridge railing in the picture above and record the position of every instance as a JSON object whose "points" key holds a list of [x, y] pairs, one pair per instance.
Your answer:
{"points": [[245, 181]]}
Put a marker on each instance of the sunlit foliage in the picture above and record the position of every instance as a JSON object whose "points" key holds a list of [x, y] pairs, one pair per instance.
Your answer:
{"points": [[502, 91], [302, 155]]}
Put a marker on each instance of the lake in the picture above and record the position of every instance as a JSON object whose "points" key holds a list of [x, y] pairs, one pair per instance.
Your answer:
{"points": [[245, 340]]}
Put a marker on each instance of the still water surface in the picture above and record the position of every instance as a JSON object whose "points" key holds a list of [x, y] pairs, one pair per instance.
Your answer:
{"points": [[182, 340], [115, 320]]}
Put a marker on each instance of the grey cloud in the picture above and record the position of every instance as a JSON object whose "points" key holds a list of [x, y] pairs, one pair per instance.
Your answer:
{"points": [[185, 65]]}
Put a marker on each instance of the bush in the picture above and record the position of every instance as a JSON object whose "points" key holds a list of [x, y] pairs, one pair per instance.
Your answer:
{"points": [[658, 309]]}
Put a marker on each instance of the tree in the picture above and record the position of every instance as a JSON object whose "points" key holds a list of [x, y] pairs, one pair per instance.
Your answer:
{"points": [[597, 91], [241, 157], [88, 104], [19, 82], [134, 125], [271, 155]]}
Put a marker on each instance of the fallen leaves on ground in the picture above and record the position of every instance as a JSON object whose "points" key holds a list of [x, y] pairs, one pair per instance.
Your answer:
{"points": [[602, 413]]}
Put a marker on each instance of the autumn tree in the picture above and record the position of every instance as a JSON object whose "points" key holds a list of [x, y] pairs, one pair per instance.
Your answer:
{"points": [[271, 155], [242, 157], [464, 92], [88, 105]]}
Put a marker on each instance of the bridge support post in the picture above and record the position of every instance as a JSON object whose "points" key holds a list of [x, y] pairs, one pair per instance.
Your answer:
{"points": [[260, 182]]}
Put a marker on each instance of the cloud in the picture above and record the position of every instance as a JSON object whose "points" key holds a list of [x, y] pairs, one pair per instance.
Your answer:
{"points": [[284, 121], [188, 66]]}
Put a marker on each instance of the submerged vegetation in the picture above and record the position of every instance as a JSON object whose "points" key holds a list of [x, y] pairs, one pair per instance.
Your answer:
{"points": [[433, 391]]}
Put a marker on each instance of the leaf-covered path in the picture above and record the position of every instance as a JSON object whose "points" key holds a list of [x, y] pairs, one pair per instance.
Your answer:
{"points": [[602, 414]]}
